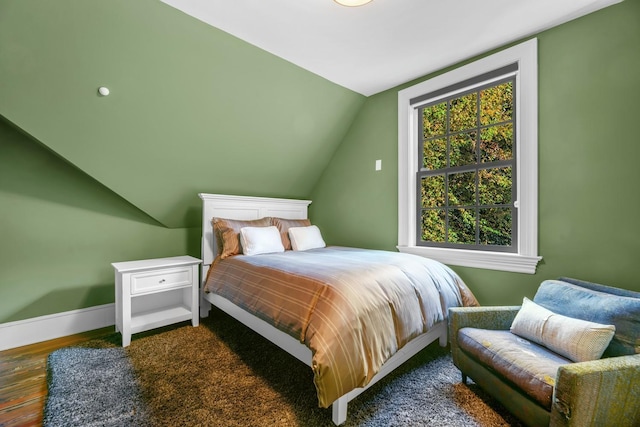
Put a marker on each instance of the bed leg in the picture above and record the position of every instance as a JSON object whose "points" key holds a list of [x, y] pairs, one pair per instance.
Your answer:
{"points": [[443, 339], [339, 411], [205, 307]]}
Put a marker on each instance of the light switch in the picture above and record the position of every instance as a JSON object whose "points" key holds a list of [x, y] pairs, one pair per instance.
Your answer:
{"points": [[378, 165]]}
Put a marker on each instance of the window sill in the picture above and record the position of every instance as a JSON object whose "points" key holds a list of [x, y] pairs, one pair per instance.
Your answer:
{"points": [[478, 259]]}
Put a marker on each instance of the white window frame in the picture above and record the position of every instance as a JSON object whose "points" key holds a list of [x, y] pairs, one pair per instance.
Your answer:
{"points": [[526, 259]]}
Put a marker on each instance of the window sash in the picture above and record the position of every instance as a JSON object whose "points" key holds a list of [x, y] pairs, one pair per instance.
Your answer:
{"points": [[451, 90], [497, 78]]}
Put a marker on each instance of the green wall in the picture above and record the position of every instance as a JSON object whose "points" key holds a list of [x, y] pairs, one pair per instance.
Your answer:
{"points": [[192, 108], [87, 180], [588, 163], [61, 230]]}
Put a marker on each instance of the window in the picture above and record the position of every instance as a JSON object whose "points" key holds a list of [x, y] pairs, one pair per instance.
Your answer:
{"points": [[466, 196], [467, 144]]}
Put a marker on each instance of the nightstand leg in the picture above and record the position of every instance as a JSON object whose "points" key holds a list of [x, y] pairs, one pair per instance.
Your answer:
{"points": [[118, 302], [195, 298], [205, 307], [126, 338], [126, 319]]}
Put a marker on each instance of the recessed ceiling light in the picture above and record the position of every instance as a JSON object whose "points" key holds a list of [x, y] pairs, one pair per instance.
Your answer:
{"points": [[352, 3]]}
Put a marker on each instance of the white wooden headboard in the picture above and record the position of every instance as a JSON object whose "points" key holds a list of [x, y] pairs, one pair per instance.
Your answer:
{"points": [[242, 207]]}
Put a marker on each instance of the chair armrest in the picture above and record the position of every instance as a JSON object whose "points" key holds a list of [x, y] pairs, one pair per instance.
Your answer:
{"points": [[496, 318], [598, 392]]}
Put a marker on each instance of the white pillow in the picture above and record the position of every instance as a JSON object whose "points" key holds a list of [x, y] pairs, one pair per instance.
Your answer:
{"points": [[260, 240], [304, 238], [576, 339]]}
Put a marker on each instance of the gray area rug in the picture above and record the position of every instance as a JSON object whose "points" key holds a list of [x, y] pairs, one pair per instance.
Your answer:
{"points": [[430, 395], [92, 387], [97, 387], [223, 374]]}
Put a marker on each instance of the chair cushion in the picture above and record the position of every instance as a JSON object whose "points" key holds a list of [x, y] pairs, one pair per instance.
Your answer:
{"points": [[528, 366], [596, 306]]}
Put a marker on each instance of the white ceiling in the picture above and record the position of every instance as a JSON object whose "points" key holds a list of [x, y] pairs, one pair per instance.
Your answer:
{"points": [[375, 47]]}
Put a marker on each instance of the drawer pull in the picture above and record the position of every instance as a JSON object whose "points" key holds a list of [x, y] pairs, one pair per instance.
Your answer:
{"points": [[161, 281]]}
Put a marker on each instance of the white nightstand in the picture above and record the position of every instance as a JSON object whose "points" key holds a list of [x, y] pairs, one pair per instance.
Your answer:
{"points": [[155, 292]]}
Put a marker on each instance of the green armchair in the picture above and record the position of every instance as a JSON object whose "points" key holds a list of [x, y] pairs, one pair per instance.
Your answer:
{"points": [[541, 387]]}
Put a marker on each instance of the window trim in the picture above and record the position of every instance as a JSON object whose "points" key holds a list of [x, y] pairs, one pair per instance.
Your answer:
{"points": [[526, 258]]}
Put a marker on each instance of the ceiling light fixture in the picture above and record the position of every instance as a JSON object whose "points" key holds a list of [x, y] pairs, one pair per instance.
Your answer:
{"points": [[352, 3]]}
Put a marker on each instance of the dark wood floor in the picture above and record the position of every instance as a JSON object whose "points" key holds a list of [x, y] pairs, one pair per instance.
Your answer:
{"points": [[23, 378]]}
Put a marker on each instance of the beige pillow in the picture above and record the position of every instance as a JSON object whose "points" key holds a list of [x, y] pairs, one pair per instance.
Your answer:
{"points": [[227, 233], [283, 225], [576, 339], [305, 238]]}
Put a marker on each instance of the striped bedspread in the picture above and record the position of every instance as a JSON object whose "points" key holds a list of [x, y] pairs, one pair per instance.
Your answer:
{"points": [[354, 308]]}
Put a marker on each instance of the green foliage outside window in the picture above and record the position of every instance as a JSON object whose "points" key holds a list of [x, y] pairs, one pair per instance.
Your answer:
{"points": [[466, 176]]}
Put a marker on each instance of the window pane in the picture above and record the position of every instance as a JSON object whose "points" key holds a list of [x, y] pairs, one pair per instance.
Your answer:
{"points": [[433, 225], [433, 191], [434, 120], [463, 149], [496, 104], [462, 189], [494, 186], [464, 112], [496, 143], [495, 226], [468, 133], [435, 154], [462, 226]]}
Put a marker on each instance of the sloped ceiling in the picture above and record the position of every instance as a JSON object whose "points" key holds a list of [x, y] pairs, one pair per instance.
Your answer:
{"points": [[385, 43], [195, 109], [191, 108]]}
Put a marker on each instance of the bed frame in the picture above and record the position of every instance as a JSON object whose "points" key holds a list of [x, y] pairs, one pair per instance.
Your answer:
{"points": [[247, 208]]}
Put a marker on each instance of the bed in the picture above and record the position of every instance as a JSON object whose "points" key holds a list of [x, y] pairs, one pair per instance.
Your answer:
{"points": [[312, 303]]}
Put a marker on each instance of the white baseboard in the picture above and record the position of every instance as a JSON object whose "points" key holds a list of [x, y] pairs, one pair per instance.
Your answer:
{"points": [[43, 328]]}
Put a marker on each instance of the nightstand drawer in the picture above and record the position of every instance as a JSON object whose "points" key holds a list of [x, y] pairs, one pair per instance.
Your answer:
{"points": [[153, 281]]}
